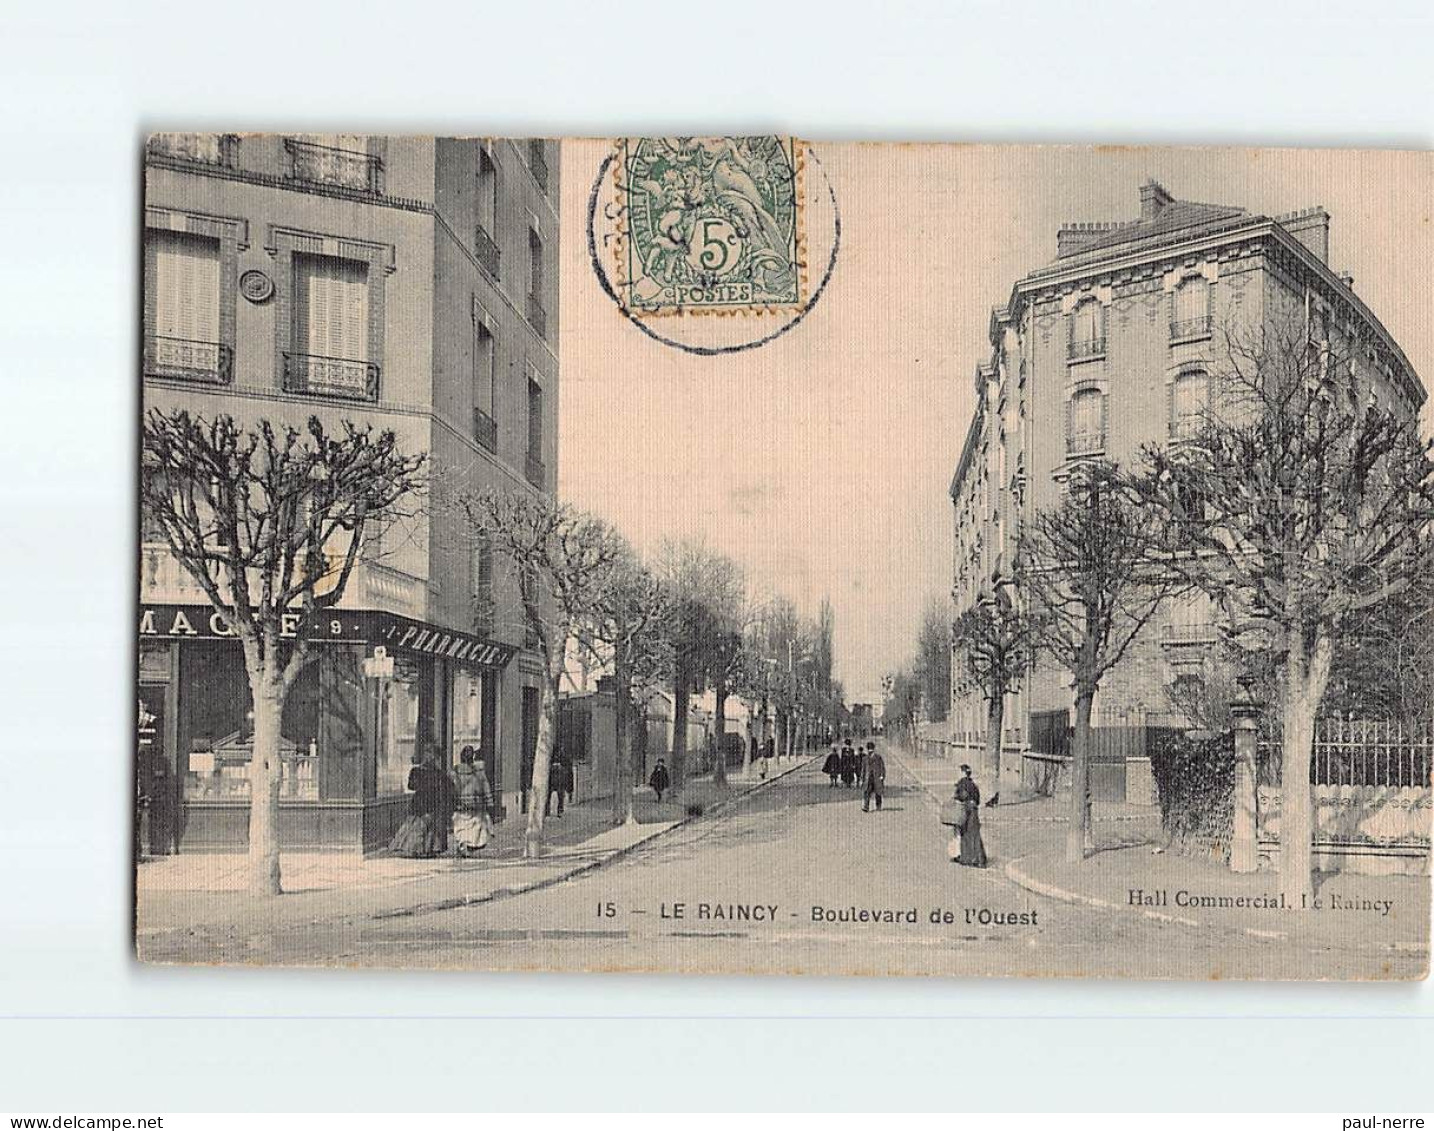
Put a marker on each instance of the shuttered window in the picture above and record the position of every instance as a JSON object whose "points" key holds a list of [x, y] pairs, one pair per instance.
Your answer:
{"points": [[331, 307], [1189, 398], [185, 284]]}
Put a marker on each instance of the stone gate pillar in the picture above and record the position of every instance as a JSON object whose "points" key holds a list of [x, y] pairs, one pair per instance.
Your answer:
{"points": [[1245, 834]]}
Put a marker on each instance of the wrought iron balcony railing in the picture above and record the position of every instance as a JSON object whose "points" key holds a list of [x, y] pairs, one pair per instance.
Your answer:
{"points": [[339, 377], [326, 165], [1085, 443], [537, 316], [1085, 350], [485, 430], [1187, 328], [186, 360], [1187, 427], [485, 250], [537, 471]]}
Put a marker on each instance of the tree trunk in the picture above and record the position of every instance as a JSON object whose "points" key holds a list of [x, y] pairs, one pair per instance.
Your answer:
{"points": [[1305, 678], [719, 768], [1078, 836], [265, 777], [680, 697], [542, 764], [991, 758]]}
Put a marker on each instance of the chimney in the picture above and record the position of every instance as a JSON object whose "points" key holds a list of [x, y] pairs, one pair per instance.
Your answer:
{"points": [[1348, 280], [1311, 227], [1153, 198]]}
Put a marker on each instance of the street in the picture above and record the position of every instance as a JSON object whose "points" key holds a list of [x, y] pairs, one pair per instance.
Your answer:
{"points": [[796, 879]]}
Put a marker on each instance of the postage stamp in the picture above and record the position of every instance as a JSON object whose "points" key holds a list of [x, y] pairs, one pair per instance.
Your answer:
{"points": [[710, 225]]}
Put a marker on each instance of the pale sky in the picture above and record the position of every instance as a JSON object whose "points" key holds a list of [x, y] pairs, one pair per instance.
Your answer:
{"points": [[821, 461]]}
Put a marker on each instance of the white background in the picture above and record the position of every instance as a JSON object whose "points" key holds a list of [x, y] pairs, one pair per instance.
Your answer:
{"points": [[84, 1028]]}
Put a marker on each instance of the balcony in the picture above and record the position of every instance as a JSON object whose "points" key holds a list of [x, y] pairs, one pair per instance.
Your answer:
{"points": [[392, 590], [338, 377], [163, 581], [1088, 350], [182, 359], [485, 430], [1190, 329], [326, 165], [537, 316], [197, 148], [1085, 443], [537, 471], [485, 250]]}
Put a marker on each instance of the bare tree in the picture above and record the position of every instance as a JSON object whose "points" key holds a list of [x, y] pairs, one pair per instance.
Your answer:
{"points": [[706, 592], [631, 624], [568, 565], [1301, 505], [933, 658], [1095, 571], [270, 523], [996, 640]]}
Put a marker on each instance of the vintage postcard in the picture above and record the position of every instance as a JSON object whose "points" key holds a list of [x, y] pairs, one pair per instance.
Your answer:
{"points": [[743, 554]]}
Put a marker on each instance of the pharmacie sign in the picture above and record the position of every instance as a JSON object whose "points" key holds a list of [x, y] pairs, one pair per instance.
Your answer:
{"points": [[336, 626]]}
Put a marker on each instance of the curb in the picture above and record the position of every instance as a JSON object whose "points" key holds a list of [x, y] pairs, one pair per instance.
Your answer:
{"points": [[455, 902], [1051, 891]]}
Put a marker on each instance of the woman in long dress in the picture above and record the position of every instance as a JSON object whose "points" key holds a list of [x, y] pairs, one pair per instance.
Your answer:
{"points": [[425, 831], [973, 851], [472, 818]]}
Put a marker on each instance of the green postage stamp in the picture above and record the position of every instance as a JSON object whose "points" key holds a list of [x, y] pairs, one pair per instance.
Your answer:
{"points": [[710, 225]]}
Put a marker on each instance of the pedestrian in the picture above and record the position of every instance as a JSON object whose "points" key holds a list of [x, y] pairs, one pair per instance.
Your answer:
{"points": [[860, 762], [848, 765], [660, 779], [873, 779], [560, 784], [832, 766], [424, 832], [973, 851], [473, 811]]}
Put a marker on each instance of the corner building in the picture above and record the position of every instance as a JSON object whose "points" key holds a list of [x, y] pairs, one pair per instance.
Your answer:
{"points": [[407, 283], [1111, 347]]}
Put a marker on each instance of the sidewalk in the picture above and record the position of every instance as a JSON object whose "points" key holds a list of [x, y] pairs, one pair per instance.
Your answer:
{"points": [[204, 893], [1381, 913]]}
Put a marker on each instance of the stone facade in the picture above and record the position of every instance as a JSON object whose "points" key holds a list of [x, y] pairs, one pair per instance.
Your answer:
{"points": [[1112, 346]]}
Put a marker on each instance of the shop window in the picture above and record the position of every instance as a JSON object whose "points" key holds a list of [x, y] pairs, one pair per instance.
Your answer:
{"points": [[219, 725]]}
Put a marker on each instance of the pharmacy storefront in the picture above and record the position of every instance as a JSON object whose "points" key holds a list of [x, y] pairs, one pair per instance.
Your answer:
{"points": [[377, 690]]}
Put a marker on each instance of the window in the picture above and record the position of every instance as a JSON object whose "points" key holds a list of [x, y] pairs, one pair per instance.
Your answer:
{"points": [[486, 192], [206, 149], [538, 162], [1087, 330], [1189, 400], [485, 209], [1190, 310], [485, 427], [537, 316], [331, 329], [183, 283], [1086, 422], [537, 473]]}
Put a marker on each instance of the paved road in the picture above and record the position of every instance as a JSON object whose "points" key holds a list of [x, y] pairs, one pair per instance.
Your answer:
{"points": [[779, 884]]}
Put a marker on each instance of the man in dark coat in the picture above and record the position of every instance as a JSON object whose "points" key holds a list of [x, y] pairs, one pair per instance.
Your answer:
{"points": [[874, 779], [660, 779], [560, 782]]}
